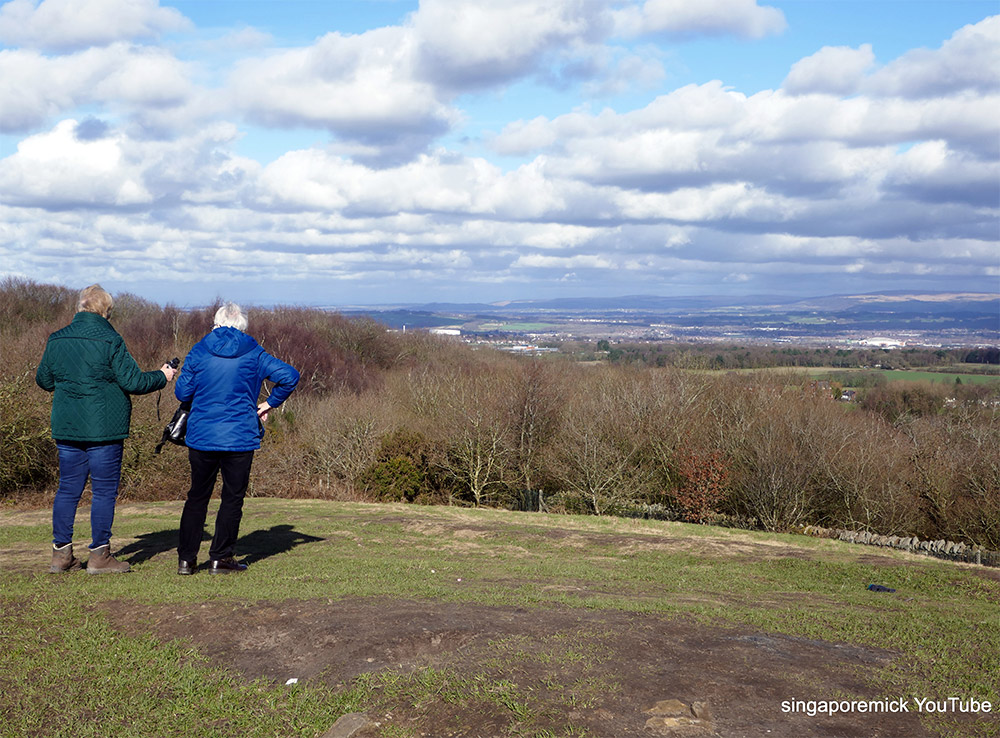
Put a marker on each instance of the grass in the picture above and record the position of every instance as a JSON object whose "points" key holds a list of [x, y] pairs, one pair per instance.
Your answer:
{"points": [[907, 375], [523, 327], [63, 658]]}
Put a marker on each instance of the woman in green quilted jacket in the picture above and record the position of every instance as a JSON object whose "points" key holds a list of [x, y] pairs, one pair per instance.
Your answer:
{"points": [[91, 375]]}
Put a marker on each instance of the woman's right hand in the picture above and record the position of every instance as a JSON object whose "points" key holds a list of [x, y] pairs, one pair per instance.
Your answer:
{"points": [[168, 371]]}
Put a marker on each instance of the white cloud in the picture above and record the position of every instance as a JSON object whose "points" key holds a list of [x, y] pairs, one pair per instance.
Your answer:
{"points": [[837, 70], [64, 25], [387, 93], [361, 87], [58, 167], [579, 261], [125, 78], [470, 45], [683, 17], [315, 179], [68, 167], [849, 167], [700, 135], [969, 60], [931, 171], [643, 71]]}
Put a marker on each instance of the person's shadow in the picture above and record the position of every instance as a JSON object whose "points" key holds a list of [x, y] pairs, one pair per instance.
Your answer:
{"points": [[276, 540], [250, 548], [148, 545]]}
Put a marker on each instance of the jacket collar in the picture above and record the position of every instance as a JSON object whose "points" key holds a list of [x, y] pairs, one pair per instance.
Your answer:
{"points": [[86, 317]]}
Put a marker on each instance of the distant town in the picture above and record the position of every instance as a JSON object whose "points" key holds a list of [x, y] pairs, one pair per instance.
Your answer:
{"points": [[889, 321]]}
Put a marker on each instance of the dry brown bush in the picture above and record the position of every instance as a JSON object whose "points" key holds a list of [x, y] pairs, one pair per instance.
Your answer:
{"points": [[472, 424], [24, 303], [860, 474], [341, 436], [955, 474], [597, 456], [534, 406]]}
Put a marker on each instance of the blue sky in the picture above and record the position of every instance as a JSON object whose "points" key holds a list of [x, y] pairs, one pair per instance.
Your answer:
{"points": [[384, 152]]}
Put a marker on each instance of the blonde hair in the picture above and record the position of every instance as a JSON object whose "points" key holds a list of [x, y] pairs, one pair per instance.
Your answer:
{"points": [[94, 299]]}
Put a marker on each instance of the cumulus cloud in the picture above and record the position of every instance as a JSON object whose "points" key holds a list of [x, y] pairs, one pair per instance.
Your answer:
{"points": [[848, 168], [968, 61], [472, 45], [80, 164], [126, 78], [837, 70], [66, 25], [932, 172], [713, 17], [359, 86], [705, 134], [62, 168], [387, 93]]}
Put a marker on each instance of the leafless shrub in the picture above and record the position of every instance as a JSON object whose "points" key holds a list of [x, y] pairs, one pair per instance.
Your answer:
{"points": [[342, 435], [24, 302], [534, 406], [597, 456], [28, 454], [861, 466], [476, 429]]}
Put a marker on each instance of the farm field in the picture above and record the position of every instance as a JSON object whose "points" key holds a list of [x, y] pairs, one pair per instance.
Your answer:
{"points": [[904, 375], [891, 375], [445, 621]]}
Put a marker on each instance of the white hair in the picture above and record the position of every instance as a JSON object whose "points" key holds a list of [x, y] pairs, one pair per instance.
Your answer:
{"points": [[231, 315]]}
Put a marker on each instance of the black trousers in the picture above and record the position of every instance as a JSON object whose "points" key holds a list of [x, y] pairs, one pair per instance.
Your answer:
{"points": [[205, 468]]}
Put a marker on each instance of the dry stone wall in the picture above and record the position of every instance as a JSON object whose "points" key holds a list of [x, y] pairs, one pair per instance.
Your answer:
{"points": [[941, 549]]}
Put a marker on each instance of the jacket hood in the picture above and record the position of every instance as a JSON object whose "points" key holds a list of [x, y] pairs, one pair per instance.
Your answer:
{"points": [[229, 342]]}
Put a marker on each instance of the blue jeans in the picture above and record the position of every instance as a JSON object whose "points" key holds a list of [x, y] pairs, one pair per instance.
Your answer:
{"points": [[102, 462]]}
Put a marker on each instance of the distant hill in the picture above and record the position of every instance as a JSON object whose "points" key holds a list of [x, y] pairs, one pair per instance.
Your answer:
{"points": [[941, 317], [931, 302]]}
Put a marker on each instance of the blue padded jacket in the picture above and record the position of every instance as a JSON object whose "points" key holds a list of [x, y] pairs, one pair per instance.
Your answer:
{"points": [[221, 377]]}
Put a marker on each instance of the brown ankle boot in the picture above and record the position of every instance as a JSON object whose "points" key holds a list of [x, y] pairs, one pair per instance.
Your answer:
{"points": [[102, 562], [63, 559]]}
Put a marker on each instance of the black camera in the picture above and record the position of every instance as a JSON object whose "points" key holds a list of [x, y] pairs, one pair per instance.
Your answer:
{"points": [[176, 429]]}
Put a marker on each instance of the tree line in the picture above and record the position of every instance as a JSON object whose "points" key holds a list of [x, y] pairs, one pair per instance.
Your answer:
{"points": [[762, 356]]}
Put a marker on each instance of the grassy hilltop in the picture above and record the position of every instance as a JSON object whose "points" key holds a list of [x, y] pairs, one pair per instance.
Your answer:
{"points": [[438, 621]]}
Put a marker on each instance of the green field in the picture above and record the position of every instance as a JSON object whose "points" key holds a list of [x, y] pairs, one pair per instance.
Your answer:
{"points": [[891, 375], [903, 375], [511, 327], [530, 612], [525, 327]]}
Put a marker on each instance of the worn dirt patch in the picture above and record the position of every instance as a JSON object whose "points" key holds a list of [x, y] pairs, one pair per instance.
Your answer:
{"points": [[602, 671]]}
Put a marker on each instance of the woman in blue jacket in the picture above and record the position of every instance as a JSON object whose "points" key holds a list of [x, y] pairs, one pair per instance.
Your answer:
{"points": [[222, 377]]}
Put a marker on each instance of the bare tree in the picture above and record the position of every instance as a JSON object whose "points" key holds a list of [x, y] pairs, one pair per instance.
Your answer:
{"points": [[476, 427], [534, 406], [342, 436], [599, 453]]}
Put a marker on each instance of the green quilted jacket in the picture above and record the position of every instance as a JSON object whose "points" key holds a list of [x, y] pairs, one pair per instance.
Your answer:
{"points": [[92, 375]]}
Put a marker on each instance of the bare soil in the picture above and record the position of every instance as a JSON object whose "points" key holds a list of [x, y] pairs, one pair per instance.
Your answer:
{"points": [[603, 671]]}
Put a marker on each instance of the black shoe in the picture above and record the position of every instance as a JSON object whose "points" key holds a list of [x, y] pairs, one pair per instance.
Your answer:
{"points": [[186, 567], [225, 566]]}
